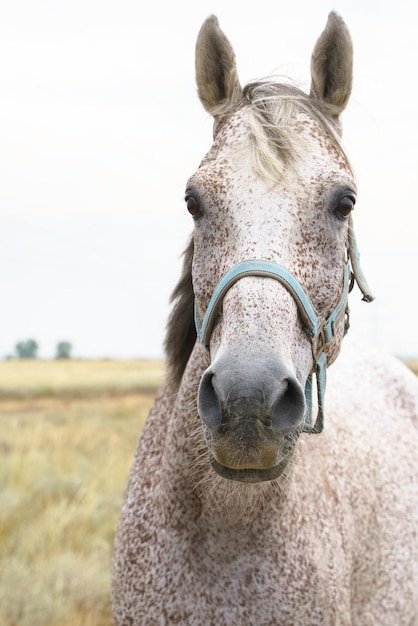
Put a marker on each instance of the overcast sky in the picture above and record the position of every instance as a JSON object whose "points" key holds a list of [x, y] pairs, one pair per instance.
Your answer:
{"points": [[100, 127]]}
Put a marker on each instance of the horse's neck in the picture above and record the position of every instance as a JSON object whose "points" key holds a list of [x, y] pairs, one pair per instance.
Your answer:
{"points": [[190, 486]]}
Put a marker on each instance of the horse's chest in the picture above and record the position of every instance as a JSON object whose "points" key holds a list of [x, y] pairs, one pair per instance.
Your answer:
{"points": [[239, 579]]}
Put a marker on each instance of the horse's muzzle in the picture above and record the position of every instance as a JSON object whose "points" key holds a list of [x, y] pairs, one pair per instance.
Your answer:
{"points": [[252, 416]]}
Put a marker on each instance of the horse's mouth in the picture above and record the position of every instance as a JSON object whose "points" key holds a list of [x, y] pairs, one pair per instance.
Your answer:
{"points": [[249, 475], [249, 453]]}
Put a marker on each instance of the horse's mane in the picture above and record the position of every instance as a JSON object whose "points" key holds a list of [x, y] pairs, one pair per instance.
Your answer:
{"points": [[181, 331], [275, 147]]}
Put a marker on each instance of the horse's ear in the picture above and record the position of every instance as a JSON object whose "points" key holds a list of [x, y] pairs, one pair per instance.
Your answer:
{"points": [[216, 73], [332, 66]]}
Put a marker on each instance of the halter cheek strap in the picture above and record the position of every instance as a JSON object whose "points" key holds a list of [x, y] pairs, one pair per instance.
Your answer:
{"points": [[321, 331]]}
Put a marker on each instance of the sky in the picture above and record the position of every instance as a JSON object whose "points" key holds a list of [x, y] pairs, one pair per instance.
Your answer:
{"points": [[100, 128]]}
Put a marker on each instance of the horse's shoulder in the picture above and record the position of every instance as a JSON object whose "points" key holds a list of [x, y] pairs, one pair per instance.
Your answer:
{"points": [[374, 383]]}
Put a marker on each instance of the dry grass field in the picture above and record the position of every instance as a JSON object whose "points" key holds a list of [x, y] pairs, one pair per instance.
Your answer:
{"points": [[413, 365], [68, 430], [26, 378]]}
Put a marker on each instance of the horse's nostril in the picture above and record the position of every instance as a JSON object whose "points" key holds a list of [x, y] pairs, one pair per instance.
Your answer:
{"points": [[289, 408], [208, 404]]}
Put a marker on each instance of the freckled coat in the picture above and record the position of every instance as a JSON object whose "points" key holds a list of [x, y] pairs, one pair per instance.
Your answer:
{"points": [[327, 535], [338, 547]]}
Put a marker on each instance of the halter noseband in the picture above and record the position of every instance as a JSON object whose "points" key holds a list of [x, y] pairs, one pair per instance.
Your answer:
{"points": [[320, 331]]}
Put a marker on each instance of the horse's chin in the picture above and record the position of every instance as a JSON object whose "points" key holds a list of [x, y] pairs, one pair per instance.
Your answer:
{"points": [[249, 453], [250, 475]]}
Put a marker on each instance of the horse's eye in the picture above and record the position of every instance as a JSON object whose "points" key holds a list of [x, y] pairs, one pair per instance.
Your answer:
{"points": [[345, 206], [192, 205]]}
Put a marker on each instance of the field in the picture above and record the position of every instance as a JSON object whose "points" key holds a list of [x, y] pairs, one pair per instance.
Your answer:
{"points": [[68, 431], [413, 365]]}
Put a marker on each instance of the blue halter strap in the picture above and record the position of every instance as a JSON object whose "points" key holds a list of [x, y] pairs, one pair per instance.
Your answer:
{"points": [[321, 331]]}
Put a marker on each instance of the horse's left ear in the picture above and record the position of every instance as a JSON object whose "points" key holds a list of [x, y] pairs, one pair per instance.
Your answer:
{"points": [[216, 72], [332, 66]]}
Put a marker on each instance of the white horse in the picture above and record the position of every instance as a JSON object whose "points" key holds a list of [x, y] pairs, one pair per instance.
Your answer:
{"points": [[239, 510]]}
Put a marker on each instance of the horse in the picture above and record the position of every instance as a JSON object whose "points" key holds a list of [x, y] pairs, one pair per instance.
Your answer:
{"points": [[268, 487]]}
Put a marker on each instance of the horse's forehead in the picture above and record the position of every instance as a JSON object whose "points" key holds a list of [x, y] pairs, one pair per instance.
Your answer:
{"points": [[314, 155]]}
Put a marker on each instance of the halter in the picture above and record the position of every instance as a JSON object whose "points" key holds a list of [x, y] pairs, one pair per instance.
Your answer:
{"points": [[320, 330]]}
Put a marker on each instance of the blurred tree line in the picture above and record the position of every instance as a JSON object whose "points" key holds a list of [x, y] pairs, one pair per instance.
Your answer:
{"points": [[28, 349]]}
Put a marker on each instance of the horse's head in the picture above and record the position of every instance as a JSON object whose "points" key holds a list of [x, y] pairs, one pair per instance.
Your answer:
{"points": [[271, 203]]}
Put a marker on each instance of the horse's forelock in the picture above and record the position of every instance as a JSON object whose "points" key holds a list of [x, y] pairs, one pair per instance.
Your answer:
{"points": [[275, 144]]}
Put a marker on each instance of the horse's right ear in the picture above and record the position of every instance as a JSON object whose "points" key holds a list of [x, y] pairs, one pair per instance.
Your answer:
{"points": [[216, 72]]}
